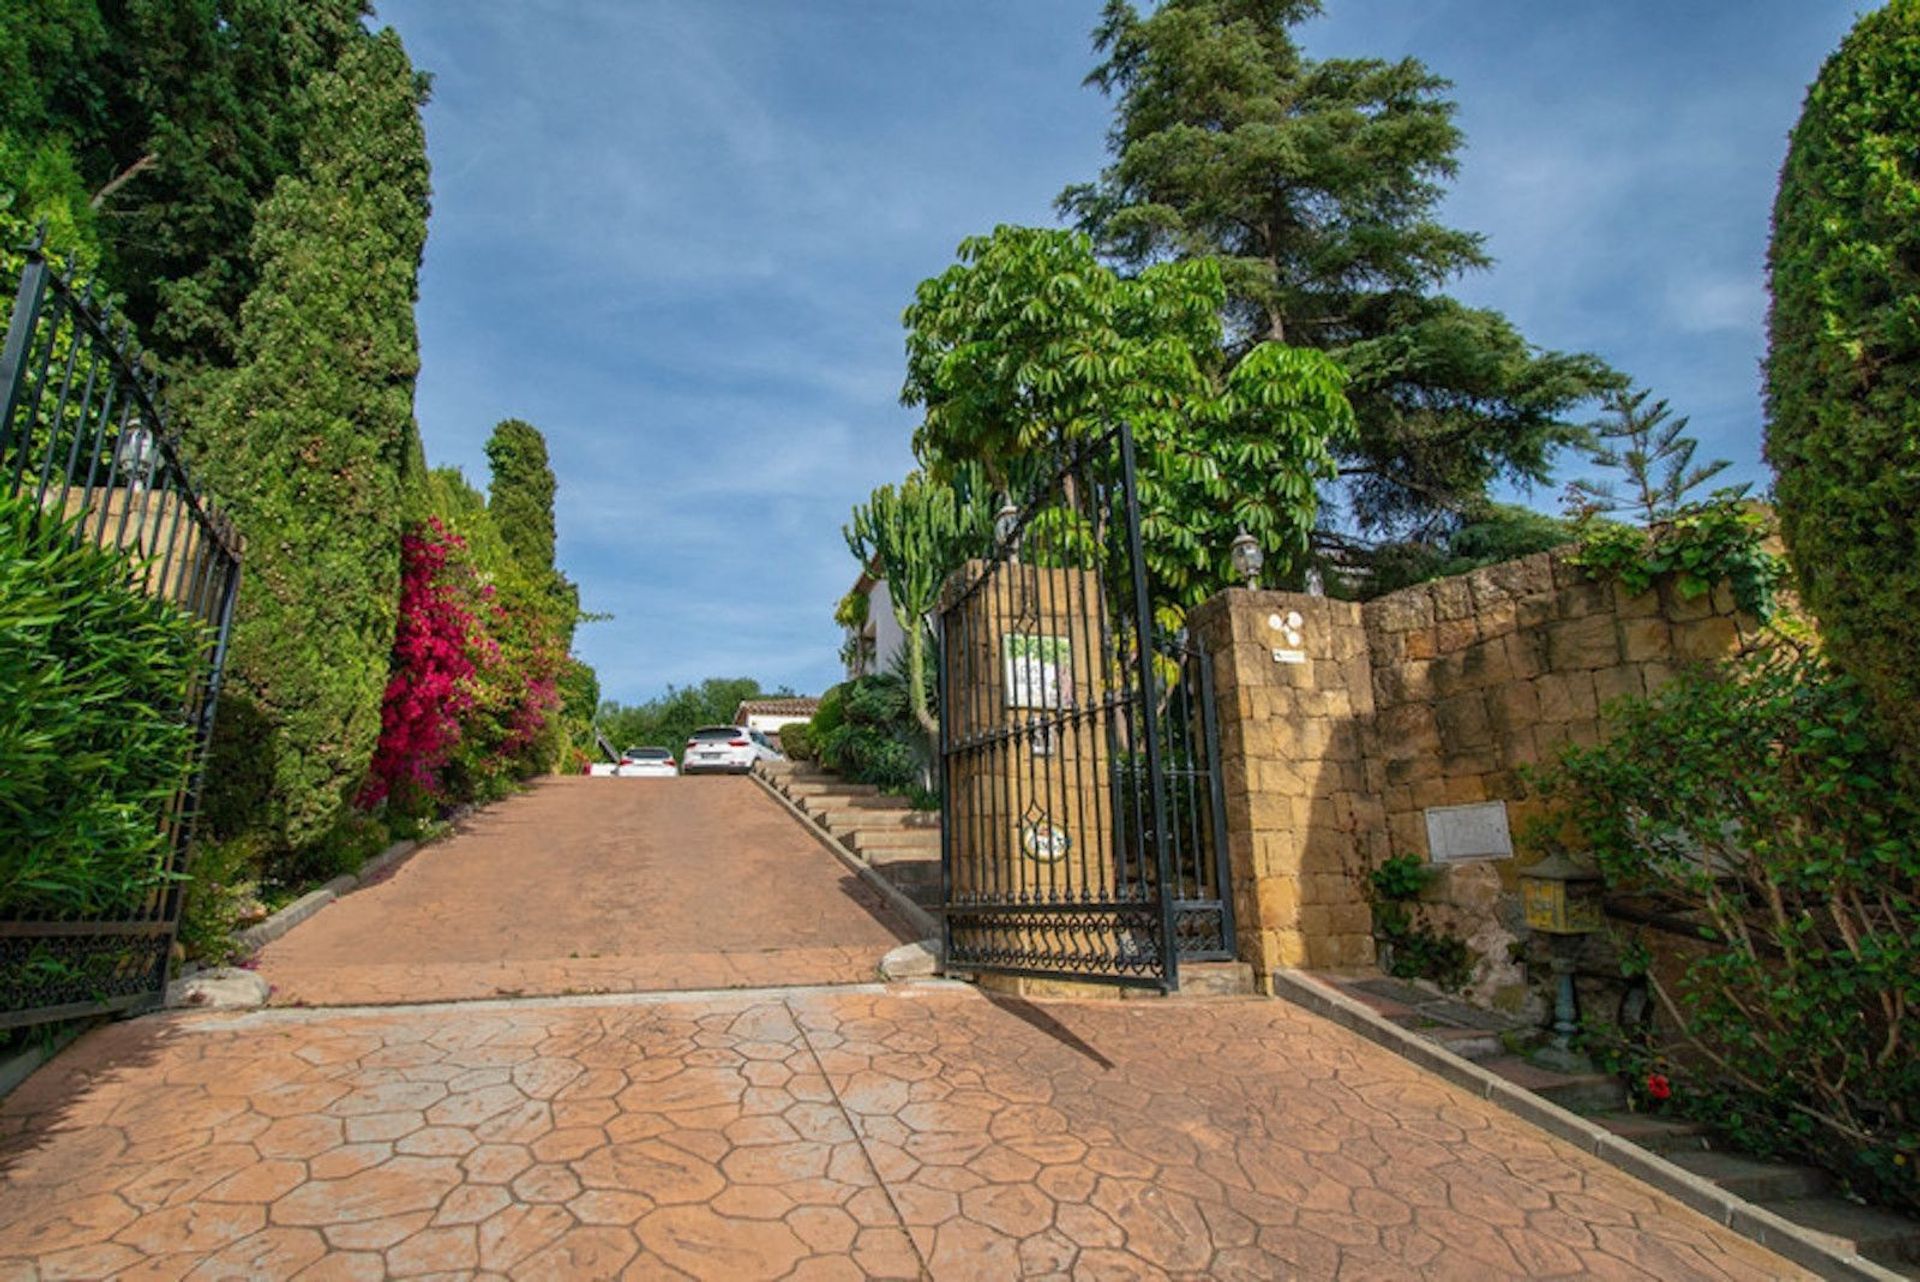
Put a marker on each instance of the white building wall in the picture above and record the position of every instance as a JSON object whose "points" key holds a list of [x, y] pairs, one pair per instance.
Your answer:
{"points": [[888, 639]]}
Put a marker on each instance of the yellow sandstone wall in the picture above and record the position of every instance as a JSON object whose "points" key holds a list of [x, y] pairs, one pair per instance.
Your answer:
{"points": [[1434, 695]]}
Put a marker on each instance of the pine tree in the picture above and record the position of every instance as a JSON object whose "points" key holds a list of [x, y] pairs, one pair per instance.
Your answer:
{"points": [[1317, 185], [1653, 454], [310, 442]]}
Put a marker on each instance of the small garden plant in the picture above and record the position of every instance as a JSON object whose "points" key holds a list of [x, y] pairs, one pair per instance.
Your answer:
{"points": [[1410, 947]]}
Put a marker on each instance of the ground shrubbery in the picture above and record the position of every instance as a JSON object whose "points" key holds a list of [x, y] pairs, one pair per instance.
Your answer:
{"points": [[865, 730], [1761, 803], [94, 679]]}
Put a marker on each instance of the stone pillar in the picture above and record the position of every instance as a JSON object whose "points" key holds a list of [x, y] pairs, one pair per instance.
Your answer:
{"points": [[1294, 690]]}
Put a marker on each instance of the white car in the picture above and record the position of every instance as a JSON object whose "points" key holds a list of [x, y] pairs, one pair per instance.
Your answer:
{"points": [[647, 763], [728, 749]]}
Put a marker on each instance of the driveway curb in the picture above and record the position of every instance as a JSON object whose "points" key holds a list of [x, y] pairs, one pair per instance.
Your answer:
{"points": [[1751, 1221], [254, 938], [913, 913]]}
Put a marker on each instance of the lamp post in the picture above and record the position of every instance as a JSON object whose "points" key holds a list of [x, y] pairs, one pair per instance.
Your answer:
{"points": [[1247, 558], [1562, 900]]}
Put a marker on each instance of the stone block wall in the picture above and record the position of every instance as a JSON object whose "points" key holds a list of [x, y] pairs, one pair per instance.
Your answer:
{"points": [[1334, 748]]}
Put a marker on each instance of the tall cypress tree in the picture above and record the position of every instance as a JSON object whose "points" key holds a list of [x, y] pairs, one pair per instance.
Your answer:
{"points": [[520, 493], [1317, 184], [311, 441], [1843, 359]]}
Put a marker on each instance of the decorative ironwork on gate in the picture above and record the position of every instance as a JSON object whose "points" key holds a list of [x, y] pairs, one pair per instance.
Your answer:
{"points": [[1084, 824], [83, 430]]}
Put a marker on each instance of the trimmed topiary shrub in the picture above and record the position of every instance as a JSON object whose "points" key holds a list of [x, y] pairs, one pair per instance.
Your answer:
{"points": [[1843, 363]]}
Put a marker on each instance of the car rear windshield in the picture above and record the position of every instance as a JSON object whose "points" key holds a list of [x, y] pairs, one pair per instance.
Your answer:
{"points": [[657, 754], [713, 734]]}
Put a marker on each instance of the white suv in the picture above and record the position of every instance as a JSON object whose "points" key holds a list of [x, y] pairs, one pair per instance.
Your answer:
{"points": [[732, 749]]}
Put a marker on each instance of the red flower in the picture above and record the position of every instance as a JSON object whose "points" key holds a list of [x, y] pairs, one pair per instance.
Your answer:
{"points": [[1658, 1086]]}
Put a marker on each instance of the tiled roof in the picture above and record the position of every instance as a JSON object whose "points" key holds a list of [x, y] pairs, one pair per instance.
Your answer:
{"points": [[776, 708]]}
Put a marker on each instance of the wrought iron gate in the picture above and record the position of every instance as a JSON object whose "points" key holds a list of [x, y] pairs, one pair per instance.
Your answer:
{"points": [[83, 431], [1084, 825]]}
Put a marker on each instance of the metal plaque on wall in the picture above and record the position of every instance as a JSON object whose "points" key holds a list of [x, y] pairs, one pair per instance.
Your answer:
{"points": [[1478, 831]]}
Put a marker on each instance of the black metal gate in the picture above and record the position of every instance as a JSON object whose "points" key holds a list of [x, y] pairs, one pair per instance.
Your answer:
{"points": [[83, 431], [1084, 823]]}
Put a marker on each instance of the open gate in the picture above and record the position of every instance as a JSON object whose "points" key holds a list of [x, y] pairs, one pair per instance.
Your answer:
{"points": [[1083, 834], [83, 430]]}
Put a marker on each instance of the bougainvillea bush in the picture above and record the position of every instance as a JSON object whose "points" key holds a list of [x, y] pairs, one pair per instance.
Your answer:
{"points": [[437, 648]]}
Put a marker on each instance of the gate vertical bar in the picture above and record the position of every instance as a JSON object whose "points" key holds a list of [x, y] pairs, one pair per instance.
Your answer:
{"points": [[948, 684], [1143, 622], [21, 329], [1222, 856]]}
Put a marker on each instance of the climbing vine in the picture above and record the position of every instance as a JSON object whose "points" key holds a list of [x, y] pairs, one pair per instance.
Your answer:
{"points": [[1721, 540]]}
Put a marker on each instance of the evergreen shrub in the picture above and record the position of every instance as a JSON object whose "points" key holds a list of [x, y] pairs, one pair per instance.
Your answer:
{"points": [[1843, 363]]}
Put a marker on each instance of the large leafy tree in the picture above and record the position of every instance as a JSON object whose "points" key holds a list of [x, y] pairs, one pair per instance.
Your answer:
{"points": [[1029, 341], [1843, 362], [1316, 185], [311, 440]]}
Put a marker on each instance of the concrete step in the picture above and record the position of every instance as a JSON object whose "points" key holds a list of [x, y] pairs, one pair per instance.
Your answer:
{"points": [[924, 841], [1658, 1134], [1581, 1092], [1477, 1044], [1215, 979], [806, 786], [826, 801], [1755, 1180], [848, 818], [1885, 1237]]}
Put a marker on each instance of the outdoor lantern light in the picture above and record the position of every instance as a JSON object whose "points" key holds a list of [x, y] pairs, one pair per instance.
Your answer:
{"points": [[1562, 900], [1247, 558], [1562, 897], [1005, 522]]}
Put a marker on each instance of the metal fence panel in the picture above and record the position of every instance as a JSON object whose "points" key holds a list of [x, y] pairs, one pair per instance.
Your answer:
{"points": [[84, 430]]}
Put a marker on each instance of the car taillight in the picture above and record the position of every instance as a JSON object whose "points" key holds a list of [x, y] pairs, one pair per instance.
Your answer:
{"points": [[628, 761], [736, 743]]}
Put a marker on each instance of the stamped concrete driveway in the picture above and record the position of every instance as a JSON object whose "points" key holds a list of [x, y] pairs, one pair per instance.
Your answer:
{"points": [[596, 885], [834, 1134]]}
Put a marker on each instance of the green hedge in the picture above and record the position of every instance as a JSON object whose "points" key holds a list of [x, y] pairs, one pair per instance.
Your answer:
{"points": [[93, 679], [1843, 359]]}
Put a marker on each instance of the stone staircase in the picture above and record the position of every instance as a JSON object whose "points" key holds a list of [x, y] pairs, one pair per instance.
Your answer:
{"points": [[898, 842], [1803, 1194]]}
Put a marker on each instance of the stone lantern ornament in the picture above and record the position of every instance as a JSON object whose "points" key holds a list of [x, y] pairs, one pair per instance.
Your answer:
{"points": [[1562, 901]]}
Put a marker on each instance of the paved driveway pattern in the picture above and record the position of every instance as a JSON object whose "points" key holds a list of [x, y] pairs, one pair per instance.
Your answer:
{"points": [[596, 885], [861, 1132]]}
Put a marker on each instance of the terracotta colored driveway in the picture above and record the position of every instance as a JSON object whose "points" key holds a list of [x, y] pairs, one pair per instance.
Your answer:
{"points": [[911, 1132], [596, 885]]}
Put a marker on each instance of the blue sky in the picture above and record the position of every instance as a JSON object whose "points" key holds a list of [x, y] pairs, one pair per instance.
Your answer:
{"points": [[677, 235]]}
